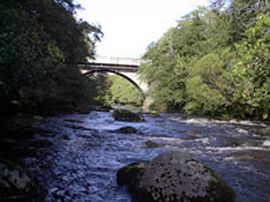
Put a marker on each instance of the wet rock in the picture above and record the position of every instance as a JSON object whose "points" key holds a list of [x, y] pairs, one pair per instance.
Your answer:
{"points": [[151, 144], [125, 115], [262, 131], [192, 135], [174, 177], [16, 184], [128, 174], [66, 137], [126, 130]]}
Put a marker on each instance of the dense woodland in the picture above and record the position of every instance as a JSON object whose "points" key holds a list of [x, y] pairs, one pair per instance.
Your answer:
{"points": [[215, 62], [40, 44]]}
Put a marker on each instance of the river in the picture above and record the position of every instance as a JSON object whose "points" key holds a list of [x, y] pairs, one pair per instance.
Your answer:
{"points": [[84, 156]]}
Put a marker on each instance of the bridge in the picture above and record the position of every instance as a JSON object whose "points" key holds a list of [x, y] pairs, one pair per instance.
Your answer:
{"points": [[124, 67]]}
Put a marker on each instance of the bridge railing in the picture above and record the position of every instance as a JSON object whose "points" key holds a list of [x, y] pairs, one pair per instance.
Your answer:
{"points": [[117, 60]]}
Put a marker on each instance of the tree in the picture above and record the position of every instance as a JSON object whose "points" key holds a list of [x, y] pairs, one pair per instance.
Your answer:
{"points": [[251, 72], [243, 15], [215, 62], [172, 58], [203, 86], [40, 45]]}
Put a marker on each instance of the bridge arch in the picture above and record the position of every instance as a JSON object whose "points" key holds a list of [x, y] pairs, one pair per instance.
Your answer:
{"points": [[122, 74], [124, 67]]}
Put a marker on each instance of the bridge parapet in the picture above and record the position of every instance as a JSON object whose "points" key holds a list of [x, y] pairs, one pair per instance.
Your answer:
{"points": [[117, 61]]}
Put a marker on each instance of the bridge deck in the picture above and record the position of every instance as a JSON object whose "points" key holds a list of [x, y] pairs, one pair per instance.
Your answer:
{"points": [[108, 66]]}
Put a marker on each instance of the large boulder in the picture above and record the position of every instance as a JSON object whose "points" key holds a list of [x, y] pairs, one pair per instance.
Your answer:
{"points": [[16, 184], [128, 175], [126, 115], [174, 177]]}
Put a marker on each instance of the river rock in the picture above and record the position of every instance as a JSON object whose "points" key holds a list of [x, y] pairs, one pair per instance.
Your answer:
{"points": [[126, 130], [151, 144], [174, 177], [264, 131], [126, 115], [15, 183]]}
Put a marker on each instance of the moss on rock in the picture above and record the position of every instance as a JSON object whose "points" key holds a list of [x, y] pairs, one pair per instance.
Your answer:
{"points": [[174, 177]]}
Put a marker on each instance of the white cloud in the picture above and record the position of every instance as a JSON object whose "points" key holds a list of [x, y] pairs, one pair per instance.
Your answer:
{"points": [[130, 25]]}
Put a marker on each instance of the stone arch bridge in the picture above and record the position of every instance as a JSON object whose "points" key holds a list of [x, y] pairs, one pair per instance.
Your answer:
{"points": [[124, 67]]}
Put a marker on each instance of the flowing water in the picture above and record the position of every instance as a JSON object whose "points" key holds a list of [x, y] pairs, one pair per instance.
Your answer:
{"points": [[85, 154]]}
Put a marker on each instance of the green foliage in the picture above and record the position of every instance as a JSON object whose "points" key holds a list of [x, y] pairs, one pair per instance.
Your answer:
{"points": [[215, 62], [124, 92], [203, 85], [251, 70], [102, 94], [40, 44], [243, 15], [172, 58], [202, 99]]}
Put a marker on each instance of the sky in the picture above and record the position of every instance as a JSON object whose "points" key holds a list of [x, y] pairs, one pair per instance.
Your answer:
{"points": [[129, 26]]}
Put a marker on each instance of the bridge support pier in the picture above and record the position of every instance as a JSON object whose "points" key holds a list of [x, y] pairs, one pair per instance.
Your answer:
{"points": [[146, 104]]}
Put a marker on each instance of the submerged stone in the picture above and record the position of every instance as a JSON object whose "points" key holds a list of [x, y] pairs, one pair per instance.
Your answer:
{"points": [[126, 129], [151, 144], [174, 177], [264, 131], [126, 115]]}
